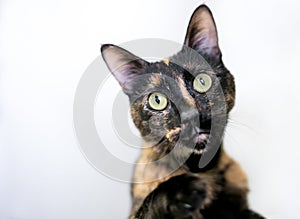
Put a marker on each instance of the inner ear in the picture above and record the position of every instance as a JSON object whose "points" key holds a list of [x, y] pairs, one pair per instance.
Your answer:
{"points": [[202, 34], [124, 65]]}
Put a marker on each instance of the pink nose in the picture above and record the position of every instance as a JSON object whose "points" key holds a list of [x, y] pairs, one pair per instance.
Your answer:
{"points": [[201, 137]]}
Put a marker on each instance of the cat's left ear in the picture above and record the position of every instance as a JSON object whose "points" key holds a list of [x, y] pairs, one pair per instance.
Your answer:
{"points": [[123, 65], [202, 35]]}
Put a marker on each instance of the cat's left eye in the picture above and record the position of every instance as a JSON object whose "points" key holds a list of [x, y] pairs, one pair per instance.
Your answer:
{"points": [[202, 83], [157, 101]]}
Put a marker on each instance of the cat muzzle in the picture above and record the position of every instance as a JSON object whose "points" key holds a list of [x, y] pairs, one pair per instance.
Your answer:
{"points": [[200, 142]]}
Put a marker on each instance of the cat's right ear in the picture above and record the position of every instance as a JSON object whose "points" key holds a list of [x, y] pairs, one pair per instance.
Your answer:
{"points": [[202, 35], [123, 65]]}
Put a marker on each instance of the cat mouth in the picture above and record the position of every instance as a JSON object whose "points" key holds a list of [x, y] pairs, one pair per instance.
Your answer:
{"points": [[200, 141], [199, 151], [196, 144]]}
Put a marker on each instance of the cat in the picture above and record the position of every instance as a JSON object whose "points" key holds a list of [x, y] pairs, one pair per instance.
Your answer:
{"points": [[175, 103]]}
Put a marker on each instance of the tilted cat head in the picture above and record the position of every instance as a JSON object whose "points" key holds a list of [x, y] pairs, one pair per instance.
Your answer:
{"points": [[183, 98]]}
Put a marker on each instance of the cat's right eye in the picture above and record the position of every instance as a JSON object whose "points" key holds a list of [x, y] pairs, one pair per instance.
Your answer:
{"points": [[202, 83], [157, 101]]}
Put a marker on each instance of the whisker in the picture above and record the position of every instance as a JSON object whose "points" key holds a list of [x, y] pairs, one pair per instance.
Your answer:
{"points": [[231, 136], [234, 123]]}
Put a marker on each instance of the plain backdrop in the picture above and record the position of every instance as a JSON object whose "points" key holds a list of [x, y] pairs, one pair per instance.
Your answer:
{"points": [[45, 46]]}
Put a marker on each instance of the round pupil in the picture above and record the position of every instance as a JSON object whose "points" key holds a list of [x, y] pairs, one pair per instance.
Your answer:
{"points": [[202, 81], [157, 100]]}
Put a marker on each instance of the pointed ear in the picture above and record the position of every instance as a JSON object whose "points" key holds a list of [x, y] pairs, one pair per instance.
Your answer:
{"points": [[123, 65], [202, 34]]}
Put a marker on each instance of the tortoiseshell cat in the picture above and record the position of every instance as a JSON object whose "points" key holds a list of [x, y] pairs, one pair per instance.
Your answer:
{"points": [[175, 103]]}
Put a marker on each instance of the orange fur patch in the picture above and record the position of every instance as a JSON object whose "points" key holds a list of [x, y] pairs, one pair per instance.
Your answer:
{"points": [[166, 61]]}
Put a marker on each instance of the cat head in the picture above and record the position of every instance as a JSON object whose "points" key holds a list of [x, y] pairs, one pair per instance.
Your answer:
{"points": [[185, 98]]}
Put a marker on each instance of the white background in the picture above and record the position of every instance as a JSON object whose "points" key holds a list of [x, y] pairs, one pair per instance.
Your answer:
{"points": [[45, 46]]}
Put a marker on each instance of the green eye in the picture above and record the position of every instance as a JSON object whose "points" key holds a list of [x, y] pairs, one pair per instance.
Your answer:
{"points": [[202, 82], [158, 101]]}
